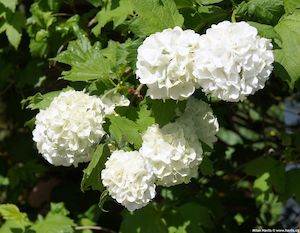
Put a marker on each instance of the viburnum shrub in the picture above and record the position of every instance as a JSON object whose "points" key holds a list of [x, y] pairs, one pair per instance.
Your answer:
{"points": [[172, 63], [169, 108]]}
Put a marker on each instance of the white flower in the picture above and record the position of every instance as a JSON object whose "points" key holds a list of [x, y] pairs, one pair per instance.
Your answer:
{"points": [[113, 100], [174, 153], [129, 179], [233, 61], [165, 62], [199, 117], [68, 131]]}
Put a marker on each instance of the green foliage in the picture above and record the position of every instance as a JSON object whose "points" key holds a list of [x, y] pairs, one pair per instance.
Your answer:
{"points": [[11, 213], [165, 111], [292, 188], [91, 175], [286, 57], [125, 131], [49, 46], [84, 60], [39, 101], [118, 15], [10, 4], [206, 167], [229, 137], [13, 22], [208, 2], [266, 31], [154, 15], [184, 217], [274, 168], [144, 118], [135, 222], [291, 5], [21, 173], [264, 11], [56, 221]]}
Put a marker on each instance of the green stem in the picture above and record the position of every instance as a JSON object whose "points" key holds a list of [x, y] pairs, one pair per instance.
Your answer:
{"points": [[110, 91], [233, 16]]}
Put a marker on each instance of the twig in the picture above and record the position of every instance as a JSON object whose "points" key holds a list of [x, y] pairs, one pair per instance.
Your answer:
{"points": [[61, 14], [138, 89], [96, 228], [92, 21]]}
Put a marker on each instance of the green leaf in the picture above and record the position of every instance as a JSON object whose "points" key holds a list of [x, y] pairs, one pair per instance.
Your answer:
{"points": [[248, 133], [116, 53], [56, 221], [91, 175], [95, 3], [190, 216], [124, 130], [211, 14], [183, 4], [266, 31], [145, 220], [12, 26], [39, 101], [11, 226], [132, 52], [13, 35], [12, 212], [202, 218], [71, 25], [118, 15], [229, 137], [42, 19], [10, 4], [86, 61], [122, 54], [262, 11], [291, 5], [261, 182], [208, 2], [273, 167], [104, 196], [164, 111], [154, 16], [24, 173], [287, 57], [206, 167], [144, 118], [292, 184], [180, 229]]}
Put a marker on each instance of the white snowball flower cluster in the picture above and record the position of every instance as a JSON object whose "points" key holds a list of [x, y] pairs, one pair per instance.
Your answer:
{"points": [[165, 63], [199, 117], [232, 61], [229, 62], [68, 131], [174, 153], [129, 179]]}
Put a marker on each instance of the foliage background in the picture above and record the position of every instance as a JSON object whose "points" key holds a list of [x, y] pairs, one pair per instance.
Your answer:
{"points": [[48, 45]]}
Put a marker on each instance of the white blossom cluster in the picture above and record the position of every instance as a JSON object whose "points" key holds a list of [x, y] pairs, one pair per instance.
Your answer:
{"points": [[68, 131], [165, 63], [233, 61], [129, 179], [199, 117], [174, 153], [229, 62], [169, 156]]}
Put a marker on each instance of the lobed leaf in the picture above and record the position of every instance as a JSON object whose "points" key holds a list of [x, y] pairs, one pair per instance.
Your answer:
{"points": [[124, 130], [154, 16], [288, 65]]}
